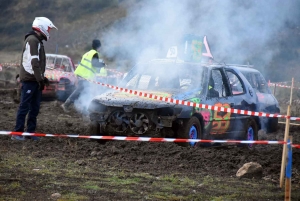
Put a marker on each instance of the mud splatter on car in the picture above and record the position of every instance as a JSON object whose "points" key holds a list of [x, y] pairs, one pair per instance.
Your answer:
{"points": [[211, 84]]}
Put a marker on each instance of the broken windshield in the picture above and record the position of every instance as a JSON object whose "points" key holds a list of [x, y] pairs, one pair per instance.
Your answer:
{"points": [[159, 76]]}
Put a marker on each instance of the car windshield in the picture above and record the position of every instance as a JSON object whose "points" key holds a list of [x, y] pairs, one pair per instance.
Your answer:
{"points": [[58, 63], [257, 81], [159, 76]]}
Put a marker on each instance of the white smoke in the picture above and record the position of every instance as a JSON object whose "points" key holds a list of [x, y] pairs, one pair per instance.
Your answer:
{"points": [[238, 31], [85, 97]]}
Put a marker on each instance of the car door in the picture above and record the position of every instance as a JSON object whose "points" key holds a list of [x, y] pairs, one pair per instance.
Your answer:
{"points": [[244, 97], [221, 122]]}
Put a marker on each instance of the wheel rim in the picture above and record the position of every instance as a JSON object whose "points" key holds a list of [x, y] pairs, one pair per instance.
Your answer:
{"points": [[193, 134], [250, 136]]}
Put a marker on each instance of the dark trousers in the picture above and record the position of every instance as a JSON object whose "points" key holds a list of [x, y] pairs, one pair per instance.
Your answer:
{"points": [[81, 86], [30, 104]]}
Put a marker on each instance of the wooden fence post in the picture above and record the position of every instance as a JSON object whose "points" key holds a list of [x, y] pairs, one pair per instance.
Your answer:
{"points": [[286, 136]]}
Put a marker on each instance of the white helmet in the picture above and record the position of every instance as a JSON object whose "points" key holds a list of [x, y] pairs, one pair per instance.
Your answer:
{"points": [[43, 25]]}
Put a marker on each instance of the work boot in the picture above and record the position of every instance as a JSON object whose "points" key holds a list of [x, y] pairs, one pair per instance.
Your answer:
{"points": [[17, 137], [66, 105], [66, 110], [34, 138]]}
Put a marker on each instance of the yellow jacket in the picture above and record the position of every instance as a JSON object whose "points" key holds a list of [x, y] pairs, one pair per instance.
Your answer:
{"points": [[85, 69]]}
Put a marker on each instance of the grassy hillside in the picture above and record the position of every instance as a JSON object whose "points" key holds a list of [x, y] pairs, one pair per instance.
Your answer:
{"points": [[78, 23]]}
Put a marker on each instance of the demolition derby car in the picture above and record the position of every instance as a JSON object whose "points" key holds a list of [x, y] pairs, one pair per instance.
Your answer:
{"points": [[60, 72], [229, 86]]}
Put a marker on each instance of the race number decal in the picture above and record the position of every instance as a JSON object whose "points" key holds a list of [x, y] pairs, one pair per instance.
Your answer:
{"points": [[172, 52], [221, 120], [206, 117]]}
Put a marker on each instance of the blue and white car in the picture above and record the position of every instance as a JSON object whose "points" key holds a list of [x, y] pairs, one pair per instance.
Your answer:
{"points": [[229, 86]]}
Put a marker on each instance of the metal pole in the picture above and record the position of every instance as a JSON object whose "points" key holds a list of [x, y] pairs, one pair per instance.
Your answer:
{"points": [[56, 49], [274, 90], [288, 180]]}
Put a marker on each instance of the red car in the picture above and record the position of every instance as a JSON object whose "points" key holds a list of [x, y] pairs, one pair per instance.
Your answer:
{"points": [[60, 72]]}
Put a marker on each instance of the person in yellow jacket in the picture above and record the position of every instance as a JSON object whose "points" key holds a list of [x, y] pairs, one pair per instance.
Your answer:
{"points": [[87, 69]]}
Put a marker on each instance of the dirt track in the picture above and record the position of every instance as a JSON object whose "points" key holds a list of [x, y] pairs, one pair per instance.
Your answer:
{"points": [[154, 158]]}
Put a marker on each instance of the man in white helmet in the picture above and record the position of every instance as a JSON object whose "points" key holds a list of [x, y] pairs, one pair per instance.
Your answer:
{"points": [[33, 63]]}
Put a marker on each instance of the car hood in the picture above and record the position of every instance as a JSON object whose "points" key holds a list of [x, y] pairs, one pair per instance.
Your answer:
{"points": [[55, 76], [119, 99]]}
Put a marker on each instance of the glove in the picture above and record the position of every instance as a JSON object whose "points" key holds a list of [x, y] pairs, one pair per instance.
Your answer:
{"points": [[41, 85], [46, 82], [101, 64]]}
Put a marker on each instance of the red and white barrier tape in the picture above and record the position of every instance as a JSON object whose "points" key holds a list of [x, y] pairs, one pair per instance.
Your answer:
{"points": [[115, 71], [282, 86], [49, 72], [145, 139], [192, 104], [9, 64]]}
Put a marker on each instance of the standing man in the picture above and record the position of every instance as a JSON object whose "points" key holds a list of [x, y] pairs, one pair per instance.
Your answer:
{"points": [[33, 63], [87, 69]]}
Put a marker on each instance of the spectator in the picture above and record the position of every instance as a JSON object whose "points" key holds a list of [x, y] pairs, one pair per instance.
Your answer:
{"points": [[33, 63]]}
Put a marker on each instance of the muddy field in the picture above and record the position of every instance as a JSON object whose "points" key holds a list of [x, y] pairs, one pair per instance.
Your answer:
{"points": [[82, 169]]}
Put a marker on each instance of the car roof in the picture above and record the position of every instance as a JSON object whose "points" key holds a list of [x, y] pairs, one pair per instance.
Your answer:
{"points": [[242, 68], [246, 69], [58, 55]]}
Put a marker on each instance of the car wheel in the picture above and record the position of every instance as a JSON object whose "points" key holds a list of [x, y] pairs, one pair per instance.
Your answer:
{"points": [[95, 130], [251, 132], [191, 129]]}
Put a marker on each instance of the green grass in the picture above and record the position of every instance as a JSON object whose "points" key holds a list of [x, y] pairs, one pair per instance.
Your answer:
{"points": [[115, 180], [91, 186], [76, 182], [72, 196]]}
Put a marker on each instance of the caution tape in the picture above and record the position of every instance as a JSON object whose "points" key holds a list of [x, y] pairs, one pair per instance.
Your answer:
{"points": [[146, 139], [10, 64], [282, 86], [193, 104], [51, 72], [115, 71]]}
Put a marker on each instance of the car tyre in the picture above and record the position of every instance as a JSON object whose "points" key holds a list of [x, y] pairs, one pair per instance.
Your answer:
{"points": [[191, 129], [94, 130], [251, 132]]}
